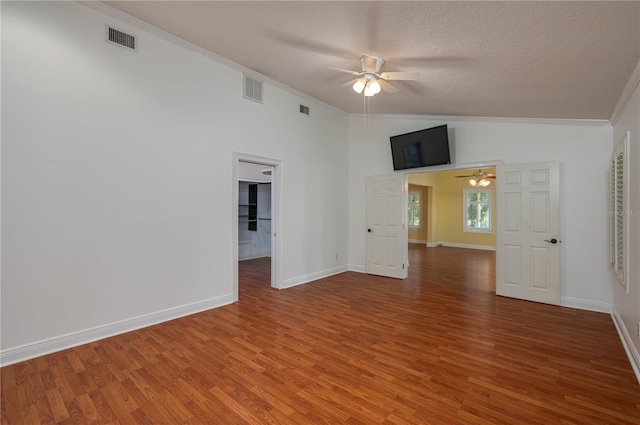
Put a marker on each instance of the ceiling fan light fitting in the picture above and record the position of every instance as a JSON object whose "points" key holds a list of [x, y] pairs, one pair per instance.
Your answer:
{"points": [[359, 85], [369, 90], [375, 86], [484, 182], [473, 182]]}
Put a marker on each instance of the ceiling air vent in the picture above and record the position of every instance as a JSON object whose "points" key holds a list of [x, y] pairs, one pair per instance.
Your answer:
{"points": [[120, 38], [304, 109], [252, 89]]}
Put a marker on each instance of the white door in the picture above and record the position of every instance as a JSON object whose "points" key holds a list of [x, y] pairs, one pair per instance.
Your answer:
{"points": [[387, 249], [528, 239]]}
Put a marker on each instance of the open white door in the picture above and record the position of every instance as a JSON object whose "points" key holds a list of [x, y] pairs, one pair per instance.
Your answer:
{"points": [[528, 239], [387, 232]]}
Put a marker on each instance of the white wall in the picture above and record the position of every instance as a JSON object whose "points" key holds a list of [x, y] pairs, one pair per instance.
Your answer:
{"points": [[627, 306], [117, 175], [583, 152]]}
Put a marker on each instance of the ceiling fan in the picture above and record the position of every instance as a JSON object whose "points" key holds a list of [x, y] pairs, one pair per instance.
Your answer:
{"points": [[371, 80], [479, 178]]}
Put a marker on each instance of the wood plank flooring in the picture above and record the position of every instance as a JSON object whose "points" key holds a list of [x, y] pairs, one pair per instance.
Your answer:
{"points": [[436, 348]]}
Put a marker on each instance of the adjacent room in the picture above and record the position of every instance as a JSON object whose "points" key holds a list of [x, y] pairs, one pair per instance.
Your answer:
{"points": [[205, 219]]}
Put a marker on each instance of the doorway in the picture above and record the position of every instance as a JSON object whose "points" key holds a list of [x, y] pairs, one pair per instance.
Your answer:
{"points": [[440, 214], [525, 229], [440, 198], [263, 176]]}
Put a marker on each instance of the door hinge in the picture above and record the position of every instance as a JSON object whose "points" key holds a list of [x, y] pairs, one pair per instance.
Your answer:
{"points": [[402, 266]]}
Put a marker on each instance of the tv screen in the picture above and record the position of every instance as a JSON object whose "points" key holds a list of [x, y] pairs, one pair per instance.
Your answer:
{"points": [[421, 148]]}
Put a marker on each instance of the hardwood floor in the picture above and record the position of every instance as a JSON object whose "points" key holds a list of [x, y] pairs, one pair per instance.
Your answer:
{"points": [[436, 348]]}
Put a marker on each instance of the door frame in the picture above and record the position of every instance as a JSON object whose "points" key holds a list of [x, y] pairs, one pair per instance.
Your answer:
{"points": [[450, 167], [276, 202]]}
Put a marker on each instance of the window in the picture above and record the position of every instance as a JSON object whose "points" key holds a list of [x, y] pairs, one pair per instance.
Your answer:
{"points": [[415, 209], [618, 211], [477, 210]]}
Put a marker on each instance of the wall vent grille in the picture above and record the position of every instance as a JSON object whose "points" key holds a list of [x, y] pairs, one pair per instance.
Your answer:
{"points": [[304, 109], [120, 38], [252, 89]]}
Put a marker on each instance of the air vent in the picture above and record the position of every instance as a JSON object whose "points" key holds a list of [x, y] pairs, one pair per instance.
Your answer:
{"points": [[120, 38], [252, 89], [304, 109]]}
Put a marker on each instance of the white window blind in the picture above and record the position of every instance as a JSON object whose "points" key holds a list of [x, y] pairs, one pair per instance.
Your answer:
{"points": [[618, 210]]}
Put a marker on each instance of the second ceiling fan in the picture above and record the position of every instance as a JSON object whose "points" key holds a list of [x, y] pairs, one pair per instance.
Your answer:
{"points": [[371, 79], [479, 178]]}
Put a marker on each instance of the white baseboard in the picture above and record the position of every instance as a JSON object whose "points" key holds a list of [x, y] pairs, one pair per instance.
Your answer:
{"points": [[62, 342], [253, 256], [432, 244], [417, 241], [581, 304], [467, 246], [313, 276], [627, 342]]}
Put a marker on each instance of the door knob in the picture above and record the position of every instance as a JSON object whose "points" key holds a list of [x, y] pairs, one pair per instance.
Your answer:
{"points": [[369, 230], [554, 240]]}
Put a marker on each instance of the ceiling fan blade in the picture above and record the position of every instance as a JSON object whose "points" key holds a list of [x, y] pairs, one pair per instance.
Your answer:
{"points": [[400, 75], [350, 83], [464, 177], [490, 176], [348, 71], [310, 45], [387, 87], [432, 61]]}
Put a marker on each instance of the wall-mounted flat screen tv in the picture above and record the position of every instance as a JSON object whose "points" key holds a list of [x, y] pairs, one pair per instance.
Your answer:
{"points": [[421, 148]]}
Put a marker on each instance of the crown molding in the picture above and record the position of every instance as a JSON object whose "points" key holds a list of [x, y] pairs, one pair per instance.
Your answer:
{"points": [[144, 26], [502, 120], [629, 88]]}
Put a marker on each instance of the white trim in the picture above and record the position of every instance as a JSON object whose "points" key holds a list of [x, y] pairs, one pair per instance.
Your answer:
{"points": [[467, 246], [450, 167], [144, 26], [627, 342], [276, 217], [627, 93], [433, 244], [418, 241], [74, 339], [253, 256], [582, 304], [300, 280], [506, 120]]}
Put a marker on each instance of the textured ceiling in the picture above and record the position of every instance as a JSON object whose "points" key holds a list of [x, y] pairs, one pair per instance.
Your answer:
{"points": [[492, 59]]}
